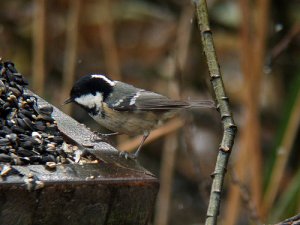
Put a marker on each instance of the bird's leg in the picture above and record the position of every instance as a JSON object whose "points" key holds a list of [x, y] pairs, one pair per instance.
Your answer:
{"points": [[146, 134], [135, 155]]}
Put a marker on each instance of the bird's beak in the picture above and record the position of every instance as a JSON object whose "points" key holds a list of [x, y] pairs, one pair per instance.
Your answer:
{"points": [[69, 100]]}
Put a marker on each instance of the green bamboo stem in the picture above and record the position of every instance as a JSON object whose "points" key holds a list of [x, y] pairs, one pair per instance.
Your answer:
{"points": [[224, 109]]}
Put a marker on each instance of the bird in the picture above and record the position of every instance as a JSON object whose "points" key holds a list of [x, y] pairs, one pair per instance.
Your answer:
{"points": [[125, 109]]}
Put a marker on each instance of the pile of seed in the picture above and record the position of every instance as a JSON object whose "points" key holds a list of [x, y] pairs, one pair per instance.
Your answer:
{"points": [[28, 133]]}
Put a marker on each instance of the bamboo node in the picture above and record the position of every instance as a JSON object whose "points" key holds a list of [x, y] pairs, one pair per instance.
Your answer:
{"points": [[224, 149]]}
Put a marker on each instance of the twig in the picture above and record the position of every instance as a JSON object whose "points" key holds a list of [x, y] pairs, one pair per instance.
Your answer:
{"points": [[71, 49], [295, 220], [224, 109], [166, 129], [38, 65]]}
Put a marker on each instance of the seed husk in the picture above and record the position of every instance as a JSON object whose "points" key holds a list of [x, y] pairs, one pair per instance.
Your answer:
{"points": [[11, 137], [5, 170]]}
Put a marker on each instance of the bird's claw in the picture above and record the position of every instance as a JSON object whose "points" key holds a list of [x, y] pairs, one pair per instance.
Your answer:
{"points": [[128, 155], [97, 136]]}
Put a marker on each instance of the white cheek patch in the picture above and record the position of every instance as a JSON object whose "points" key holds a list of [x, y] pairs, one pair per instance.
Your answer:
{"points": [[133, 100], [112, 83], [90, 100]]}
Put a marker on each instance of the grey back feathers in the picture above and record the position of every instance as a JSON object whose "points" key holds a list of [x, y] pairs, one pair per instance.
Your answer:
{"points": [[127, 98]]}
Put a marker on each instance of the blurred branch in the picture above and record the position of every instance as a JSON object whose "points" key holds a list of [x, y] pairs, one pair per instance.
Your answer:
{"points": [[195, 162], [224, 109], [108, 41], [38, 64], [283, 44], [253, 47], [284, 151], [253, 124], [171, 142], [164, 130], [279, 193], [71, 50], [234, 194], [233, 205], [166, 177], [183, 37], [284, 204], [246, 196], [184, 32]]}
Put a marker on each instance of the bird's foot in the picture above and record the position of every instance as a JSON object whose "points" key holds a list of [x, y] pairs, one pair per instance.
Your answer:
{"points": [[97, 136], [128, 155]]}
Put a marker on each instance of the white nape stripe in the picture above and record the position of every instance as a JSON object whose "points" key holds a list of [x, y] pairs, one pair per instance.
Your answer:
{"points": [[133, 100], [112, 83], [90, 100]]}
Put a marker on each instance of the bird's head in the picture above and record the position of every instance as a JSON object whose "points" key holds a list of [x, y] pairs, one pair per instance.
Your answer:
{"points": [[90, 91]]}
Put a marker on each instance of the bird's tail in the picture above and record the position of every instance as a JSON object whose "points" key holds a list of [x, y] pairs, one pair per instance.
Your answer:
{"points": [[201, 104]]}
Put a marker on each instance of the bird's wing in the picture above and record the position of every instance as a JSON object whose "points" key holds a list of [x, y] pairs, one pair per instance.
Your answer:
{"points": [[146, 100]]}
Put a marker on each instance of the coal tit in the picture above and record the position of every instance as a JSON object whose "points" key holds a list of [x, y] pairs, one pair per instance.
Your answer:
{"points": [[123, 108]]}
